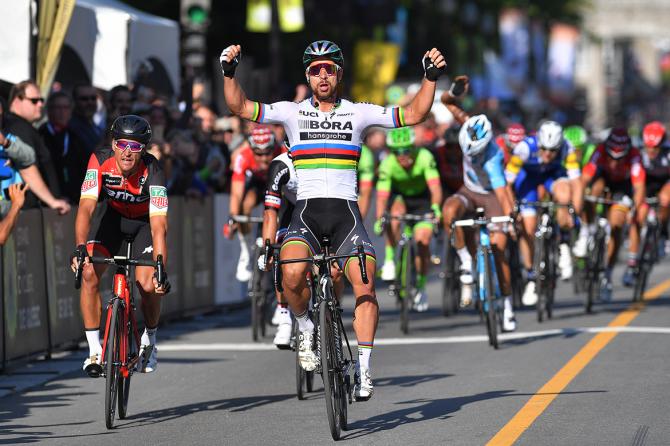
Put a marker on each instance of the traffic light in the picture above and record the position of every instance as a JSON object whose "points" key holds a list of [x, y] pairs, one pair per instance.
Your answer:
{"points": [[194, 18]]}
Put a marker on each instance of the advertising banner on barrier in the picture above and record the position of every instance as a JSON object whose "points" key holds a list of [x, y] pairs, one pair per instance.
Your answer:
{"points": [[197, 253], [173, 303], [24, 281], [65, 323], [227, 252]]}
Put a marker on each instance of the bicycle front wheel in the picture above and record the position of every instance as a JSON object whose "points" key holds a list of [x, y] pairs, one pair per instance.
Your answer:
{"points": [[594, 268], [541, 273], [332, 375], [491, 313], [112, 362], [124, 383], [450, 283], [256, 298]]}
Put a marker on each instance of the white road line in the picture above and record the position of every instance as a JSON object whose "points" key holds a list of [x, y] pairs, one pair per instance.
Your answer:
{"points": [[249, 346]]}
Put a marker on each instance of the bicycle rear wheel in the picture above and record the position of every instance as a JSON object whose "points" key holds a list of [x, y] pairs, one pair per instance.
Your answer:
{"points": [[331, 373], [112, 362], [406, 290], [491, 313], [516, 269]]}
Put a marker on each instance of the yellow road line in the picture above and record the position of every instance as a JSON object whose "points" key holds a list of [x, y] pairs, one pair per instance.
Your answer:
{"points": [[525, 417]]}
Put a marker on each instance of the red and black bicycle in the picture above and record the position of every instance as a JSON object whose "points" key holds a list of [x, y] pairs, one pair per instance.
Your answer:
{"points": [[121, 344]]}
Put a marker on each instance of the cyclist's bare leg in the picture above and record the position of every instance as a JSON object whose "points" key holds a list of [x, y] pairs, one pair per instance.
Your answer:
{"points": [[393, 229], [294, 283], [366, 313], [499, 241], [527, 239], [89, 297], [453, 210], [248, 203], [617, 219], [422, 237], [562, 194], [151, 302], [636, 224]]}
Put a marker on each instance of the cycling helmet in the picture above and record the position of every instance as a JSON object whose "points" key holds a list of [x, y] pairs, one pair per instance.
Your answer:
{"points": [[576, 135], [475, 135], [131, 127], [262, 139], [653, 134], [400, 138], [618, 143], [550, 135], [514, 134], [322, 49]]}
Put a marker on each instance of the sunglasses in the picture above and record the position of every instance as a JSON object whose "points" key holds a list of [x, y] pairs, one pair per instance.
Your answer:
{"points": [[404, 151], [123, 144], [315, 70], [35, 101]]}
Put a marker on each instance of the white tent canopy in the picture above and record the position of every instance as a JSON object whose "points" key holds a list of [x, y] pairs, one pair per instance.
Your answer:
{"points": [[111, 38]]}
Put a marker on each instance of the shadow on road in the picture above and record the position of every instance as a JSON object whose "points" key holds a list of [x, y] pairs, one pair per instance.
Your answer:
{"points": [[20, 407], [409, 381], [427, 410], [233, 405]]}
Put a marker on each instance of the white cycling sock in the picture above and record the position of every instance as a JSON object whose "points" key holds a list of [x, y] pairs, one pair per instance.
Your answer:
{"points": [[466, 258], [364, 353], [149, 336], [93, 339], [508, 304], [244, 245], [304, 322]]}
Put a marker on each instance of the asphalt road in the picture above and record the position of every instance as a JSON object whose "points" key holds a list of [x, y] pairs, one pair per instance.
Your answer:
{"points": [[442, 384]]}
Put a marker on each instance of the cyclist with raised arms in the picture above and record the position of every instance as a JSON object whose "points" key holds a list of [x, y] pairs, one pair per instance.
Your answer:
{"points": [[616, 165], [409, 182], [247, 188], [547, 160], [280, 199], [656, 162], [131, 185], [325, 133]]}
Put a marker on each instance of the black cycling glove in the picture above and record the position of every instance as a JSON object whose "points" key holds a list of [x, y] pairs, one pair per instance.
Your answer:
{"points": [[79, 251], [166, 283], [228, 68], [431, 72]]}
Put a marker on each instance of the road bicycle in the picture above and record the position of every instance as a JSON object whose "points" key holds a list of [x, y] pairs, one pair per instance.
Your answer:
{"points": [[121, 343], [596, 259], [488, 287], [650, 236], [404, 286], [336, 363], [545, 258], [259, 289]]}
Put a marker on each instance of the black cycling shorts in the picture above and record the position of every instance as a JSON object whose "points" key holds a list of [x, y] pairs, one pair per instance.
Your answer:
{"points": [[338, 219], [110, 230], [418, 205]]}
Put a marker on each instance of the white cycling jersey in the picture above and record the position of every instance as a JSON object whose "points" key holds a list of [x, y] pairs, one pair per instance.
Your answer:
{"points": [[325, 147]]}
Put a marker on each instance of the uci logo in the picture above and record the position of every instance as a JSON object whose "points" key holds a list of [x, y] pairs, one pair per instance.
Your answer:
{"points": [[308, 113]]}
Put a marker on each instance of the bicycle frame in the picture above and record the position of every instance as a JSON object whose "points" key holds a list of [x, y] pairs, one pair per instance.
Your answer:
{"points": [[122, 292], [484, 253]]}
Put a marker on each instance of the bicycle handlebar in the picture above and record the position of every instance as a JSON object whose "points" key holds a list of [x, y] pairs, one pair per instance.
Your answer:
{"points": [[482, 221], [121, 261], [245, 219], [321, 259]]}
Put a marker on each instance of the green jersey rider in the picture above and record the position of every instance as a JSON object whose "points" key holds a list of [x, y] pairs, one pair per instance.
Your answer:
{"points": [[409, 182]]}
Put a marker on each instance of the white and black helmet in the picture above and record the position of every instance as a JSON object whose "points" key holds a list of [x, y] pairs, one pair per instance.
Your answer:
{"points": [[323, 49], [475, 135], [550, 135]]}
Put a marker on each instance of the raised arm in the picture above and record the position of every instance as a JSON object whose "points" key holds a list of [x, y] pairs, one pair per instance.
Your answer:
{"points": [[235, 97], [434, 66]]}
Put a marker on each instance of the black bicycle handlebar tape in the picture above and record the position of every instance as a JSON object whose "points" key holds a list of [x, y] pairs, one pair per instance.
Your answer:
{"points": [[160, 270], [361, 260], [81, 257], [266, 253]]}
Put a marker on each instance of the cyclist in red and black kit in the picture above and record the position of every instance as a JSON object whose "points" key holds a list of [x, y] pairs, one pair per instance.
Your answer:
{"points": [[514, 134], [247, 189], [616, 165], [656, 162], [130, 186]]}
